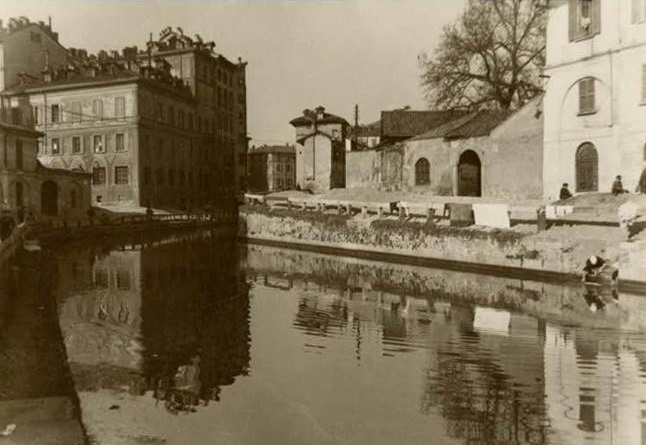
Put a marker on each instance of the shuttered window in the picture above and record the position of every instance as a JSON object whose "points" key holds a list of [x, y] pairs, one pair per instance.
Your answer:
{"points": [[638, 11], [586, 96], [120, 107], [584, 19]]}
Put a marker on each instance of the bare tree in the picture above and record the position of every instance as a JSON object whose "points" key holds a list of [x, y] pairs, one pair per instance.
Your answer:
{"points": [[491, 57]]}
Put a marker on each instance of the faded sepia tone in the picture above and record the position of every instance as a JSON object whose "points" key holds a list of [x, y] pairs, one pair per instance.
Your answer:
{"points": [[351, 222]]}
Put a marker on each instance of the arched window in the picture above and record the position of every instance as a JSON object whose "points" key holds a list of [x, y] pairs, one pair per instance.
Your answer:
{"points": [[422, 172]]}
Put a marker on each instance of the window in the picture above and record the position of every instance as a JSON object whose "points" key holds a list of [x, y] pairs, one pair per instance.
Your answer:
{"points": [[56, 146], [639, 11], [180, 118], [120, 142], [289, 183], [190, 121], [73, 199], [18, 154], [98, 175], [584, 19], [34, 112], [171, 177], [76, 145], [35, 37], [97, 143], [422, 172], [160, 112], [171, 116], [120, 107], [280, 183], [123, 279], [76, 112], [586, 96], [160, 176], [279, 167], [182, 178], [97, 109], [101, 278], [56, 114], [121, 175]]}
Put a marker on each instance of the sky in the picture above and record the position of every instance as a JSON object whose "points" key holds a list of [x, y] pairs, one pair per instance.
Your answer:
{"points": [[300, 54]]}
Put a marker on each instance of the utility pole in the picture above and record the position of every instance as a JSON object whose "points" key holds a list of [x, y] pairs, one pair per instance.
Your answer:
{"points": [[356, 124]]}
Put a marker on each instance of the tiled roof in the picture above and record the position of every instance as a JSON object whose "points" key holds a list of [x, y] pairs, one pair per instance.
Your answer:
{"points": [[409, 123], [475, 124], [309, 117], [76, 80], [287, 149]]}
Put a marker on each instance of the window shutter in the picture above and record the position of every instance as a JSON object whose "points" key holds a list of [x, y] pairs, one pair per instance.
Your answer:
{"points": [[595, 17], [636, 11], [573, 26]]}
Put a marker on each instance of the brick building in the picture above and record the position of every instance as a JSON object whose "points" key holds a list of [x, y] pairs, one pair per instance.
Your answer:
{"points": [[272, 168], [165, 126]]}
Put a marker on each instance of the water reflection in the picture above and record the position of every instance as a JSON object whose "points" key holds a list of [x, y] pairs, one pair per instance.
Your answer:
{"points": [[169, 318], [197, 340], [496, 376]]}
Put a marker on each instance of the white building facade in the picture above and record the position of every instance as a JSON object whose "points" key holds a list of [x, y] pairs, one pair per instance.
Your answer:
{"points": [[595, 102]]}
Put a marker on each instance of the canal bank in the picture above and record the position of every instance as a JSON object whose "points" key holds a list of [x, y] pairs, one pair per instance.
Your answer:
{"points": [[554, 255]]}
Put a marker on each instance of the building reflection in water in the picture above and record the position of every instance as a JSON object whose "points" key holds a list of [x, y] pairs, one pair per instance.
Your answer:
{"points": [[169, 317], [496, 376]]}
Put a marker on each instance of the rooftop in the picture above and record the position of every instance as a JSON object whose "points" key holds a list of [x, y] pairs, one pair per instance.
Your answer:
{"points": [[319, 116], [287, 149], [475, 124], [406, 123], [19, 23], [92, 70]]}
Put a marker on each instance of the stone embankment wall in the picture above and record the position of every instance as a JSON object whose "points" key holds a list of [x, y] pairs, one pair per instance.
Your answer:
{"points": [[488, 250]]}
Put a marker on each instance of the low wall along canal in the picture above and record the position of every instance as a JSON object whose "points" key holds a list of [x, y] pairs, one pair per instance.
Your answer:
{"points": [[554, 255]]}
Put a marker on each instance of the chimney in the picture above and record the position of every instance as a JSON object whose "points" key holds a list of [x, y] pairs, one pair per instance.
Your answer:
{"points": [[320, 112]]}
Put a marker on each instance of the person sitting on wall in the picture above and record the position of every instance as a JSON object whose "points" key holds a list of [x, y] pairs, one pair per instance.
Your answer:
{"points": [[565, 192], [618, 186]]}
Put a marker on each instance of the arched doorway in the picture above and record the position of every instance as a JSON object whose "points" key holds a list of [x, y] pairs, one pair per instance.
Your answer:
{"points": [[422, 172], [469, 174], [49, 198], [587, 168]]}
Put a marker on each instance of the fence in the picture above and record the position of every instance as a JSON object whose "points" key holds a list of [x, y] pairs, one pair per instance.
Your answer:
{"points": [[431, 211]]}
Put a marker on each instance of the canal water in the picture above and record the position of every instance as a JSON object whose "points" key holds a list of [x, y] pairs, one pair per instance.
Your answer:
{"points": [[195, 339]]}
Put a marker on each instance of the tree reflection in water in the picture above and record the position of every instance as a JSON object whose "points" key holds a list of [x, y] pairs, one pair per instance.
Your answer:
{"points": [[195, 322], [168, 316], [479, 401]]}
